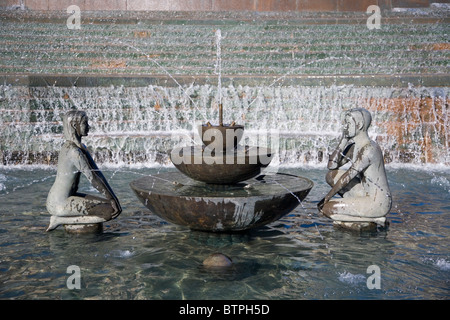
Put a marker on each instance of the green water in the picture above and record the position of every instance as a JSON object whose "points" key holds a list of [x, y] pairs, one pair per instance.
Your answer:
{"points": [[301, 256]]}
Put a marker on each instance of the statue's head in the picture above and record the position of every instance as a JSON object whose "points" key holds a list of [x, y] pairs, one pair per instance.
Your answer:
{"points": [[75, 125], [355, 121]]}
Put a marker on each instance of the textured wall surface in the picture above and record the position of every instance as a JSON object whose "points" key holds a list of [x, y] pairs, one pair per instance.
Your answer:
{"points": [[219, 5]]}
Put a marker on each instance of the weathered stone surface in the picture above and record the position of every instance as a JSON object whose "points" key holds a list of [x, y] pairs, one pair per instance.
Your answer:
{"points": [[363, 187], [218, 5], [221, 208], [222, 167], [66, 205]]}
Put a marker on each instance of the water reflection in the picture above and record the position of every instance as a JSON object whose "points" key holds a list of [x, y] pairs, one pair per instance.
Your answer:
{"points": [[302, 256]]}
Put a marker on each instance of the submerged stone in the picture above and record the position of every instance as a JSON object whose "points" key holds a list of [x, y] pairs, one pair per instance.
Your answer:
{"points": [[217, 260]]}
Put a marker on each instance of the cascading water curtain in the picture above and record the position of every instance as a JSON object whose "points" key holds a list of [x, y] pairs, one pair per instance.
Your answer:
{"points": [[138, 125]]}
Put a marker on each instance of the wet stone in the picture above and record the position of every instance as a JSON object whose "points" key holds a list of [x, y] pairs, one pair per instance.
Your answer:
{"points": [[217, 260], [359, 226], [221, 208], [84, 228]]}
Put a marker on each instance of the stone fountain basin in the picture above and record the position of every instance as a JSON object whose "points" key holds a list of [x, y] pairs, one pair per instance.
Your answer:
{"points": [[221, 208], [227, 167]]}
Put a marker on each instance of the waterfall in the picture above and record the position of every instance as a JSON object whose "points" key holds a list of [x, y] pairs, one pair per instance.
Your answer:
{"points": [[138, 125], [145, 83]]}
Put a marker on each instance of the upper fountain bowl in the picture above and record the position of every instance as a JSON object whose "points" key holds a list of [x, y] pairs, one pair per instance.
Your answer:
{"points": [[220, 167], [221, 137]]}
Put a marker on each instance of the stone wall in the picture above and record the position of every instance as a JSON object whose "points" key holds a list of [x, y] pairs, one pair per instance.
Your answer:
{"points": [[218, 5]]}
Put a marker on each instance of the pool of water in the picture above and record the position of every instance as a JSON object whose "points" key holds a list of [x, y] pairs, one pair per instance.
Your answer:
{"points": [[301, 256]]}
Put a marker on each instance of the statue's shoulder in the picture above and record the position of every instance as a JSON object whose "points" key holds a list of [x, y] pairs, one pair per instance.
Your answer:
{"points": [[70, 148], [371, 146], [375, 146], [373, 151], [370, 150]]}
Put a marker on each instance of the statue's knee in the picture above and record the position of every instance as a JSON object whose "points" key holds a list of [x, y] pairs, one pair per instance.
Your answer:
{"points": [[327, 210]]}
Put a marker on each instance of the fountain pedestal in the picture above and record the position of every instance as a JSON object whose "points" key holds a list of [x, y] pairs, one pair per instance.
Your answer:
{"points": [[221, 208]]}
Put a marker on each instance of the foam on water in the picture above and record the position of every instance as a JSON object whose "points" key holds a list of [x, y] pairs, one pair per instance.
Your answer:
{"points": [[440, 263], [351, 278], [442, 182], [2, 180], [443, 264], [120, 254]]}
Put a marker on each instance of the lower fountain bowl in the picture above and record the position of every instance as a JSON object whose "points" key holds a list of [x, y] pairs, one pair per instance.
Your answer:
{"points": [[227, 167], [221, 208]]}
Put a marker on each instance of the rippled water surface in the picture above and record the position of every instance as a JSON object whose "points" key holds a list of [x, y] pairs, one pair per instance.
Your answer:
{"points": [[302, 256]]}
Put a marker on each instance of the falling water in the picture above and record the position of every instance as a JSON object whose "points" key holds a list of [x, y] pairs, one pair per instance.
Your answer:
{"points": [[218, 67], [137, 125], [282, 71]]}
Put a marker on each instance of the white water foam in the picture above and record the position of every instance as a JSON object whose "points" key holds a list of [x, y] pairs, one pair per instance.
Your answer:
{"points": [[351, 278], [441, 181], [132, 123], [3, 179], [120, 254], [442, 264]]}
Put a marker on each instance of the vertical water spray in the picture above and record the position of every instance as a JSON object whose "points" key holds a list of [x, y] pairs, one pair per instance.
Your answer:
{"points": [[218, 71]]}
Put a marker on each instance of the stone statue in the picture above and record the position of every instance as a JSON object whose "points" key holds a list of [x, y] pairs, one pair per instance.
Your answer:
{"points": [[66, 205], [366, 198]]}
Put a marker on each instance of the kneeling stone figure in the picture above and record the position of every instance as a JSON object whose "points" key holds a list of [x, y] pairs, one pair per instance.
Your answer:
{"points": [[366, 197], [65, 204]]}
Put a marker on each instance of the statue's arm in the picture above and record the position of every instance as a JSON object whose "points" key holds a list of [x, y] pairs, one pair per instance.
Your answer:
{"points": [[363, 160], [343, 181], [86, 165], [341, 155]]}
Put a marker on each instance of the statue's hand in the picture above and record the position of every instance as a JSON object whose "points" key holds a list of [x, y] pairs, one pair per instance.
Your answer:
{"points": [[343, 142]]}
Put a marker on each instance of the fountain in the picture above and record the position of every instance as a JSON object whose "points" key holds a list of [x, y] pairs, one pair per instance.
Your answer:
{"points": [[219, 187], [399, 73]]}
